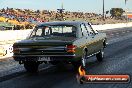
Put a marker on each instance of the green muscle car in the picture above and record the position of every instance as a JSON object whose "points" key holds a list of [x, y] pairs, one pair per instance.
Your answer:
{"points": [[59, 42]]}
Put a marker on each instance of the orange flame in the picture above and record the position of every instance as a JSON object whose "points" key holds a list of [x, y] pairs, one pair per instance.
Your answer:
{"points": [[81, 71], [81, 75]]}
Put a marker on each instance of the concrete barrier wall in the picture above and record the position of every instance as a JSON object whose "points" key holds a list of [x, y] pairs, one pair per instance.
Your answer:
{"points": [[13, 34], [111, 26], [7, 38]]}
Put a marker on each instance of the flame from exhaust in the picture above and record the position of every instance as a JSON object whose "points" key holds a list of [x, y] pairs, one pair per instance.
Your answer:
{"points": [[81, 71]]}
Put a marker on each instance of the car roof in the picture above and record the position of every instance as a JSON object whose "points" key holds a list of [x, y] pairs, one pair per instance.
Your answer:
{"points": [[74, 23]]}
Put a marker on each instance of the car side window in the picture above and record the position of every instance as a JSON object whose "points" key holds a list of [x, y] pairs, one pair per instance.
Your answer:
{"points": [[90, 30], [84, 30], [39, 32], [36, 32]]}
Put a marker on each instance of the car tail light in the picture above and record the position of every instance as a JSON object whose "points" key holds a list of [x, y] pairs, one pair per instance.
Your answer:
{"points": [[16, 49], [71, 48]]}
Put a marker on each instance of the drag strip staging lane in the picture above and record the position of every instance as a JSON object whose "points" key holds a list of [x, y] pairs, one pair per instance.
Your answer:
{"points": [[118, 59]]}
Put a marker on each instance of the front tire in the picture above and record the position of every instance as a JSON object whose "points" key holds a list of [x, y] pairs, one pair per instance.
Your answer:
{"points": [[31, 66], [100, 56]]}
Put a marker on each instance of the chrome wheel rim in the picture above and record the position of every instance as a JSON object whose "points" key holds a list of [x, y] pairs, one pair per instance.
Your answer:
{"points": [[102, 54], [84, 61]]}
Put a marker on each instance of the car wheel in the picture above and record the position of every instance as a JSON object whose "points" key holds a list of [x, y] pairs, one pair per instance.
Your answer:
{"points": [[104, 44], [100, 56], [31, 66], [80, 62], [83, 59]]}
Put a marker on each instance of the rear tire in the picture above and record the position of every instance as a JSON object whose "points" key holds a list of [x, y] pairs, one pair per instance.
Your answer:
{"points": [[100, 56], [81, 62], [31, 66], [104, 44]]}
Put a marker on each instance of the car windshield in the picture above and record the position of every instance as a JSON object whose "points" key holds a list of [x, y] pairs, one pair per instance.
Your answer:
{"points": [[54, 31]]}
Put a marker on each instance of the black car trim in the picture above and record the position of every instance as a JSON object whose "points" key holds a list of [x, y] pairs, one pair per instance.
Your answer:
{"points": [[44, 55]]}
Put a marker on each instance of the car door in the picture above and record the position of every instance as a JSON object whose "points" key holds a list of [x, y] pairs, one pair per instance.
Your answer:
{"points": [[86, 39], [97, 42]]}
